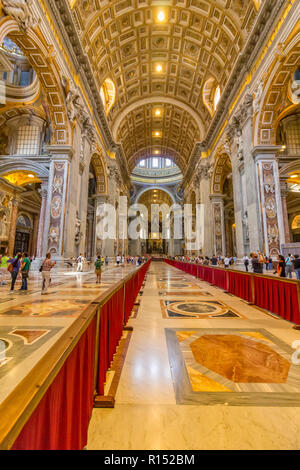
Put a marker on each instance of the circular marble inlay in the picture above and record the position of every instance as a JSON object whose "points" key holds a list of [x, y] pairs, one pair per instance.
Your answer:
{"points": [[196, 308]]}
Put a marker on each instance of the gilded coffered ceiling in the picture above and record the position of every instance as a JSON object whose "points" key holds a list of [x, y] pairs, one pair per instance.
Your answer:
{"points": [[164, 51], [164, 130]]}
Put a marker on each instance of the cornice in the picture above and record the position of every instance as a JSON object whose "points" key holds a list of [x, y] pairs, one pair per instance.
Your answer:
{"points": [[270, 11], [62, 16]]}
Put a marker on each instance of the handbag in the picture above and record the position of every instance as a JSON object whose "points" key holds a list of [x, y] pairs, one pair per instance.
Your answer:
{"points": [[10, 268]]}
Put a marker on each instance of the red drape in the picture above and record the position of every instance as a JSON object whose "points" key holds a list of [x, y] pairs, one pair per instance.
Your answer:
{"points": [[111, 326], [275, 295], [278, 296], [240, 285], [60, 422], [220, 278]]}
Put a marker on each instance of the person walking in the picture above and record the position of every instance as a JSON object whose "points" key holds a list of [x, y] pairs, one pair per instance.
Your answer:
{"points": [[246, 262], [289, 266], [281, 267], [46, 268], [25, 266], [98, 269], [14, 265], [296, 264], [80, 263], [106, 261]]}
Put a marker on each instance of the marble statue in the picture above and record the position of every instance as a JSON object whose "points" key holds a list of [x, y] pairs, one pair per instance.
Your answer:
{"points": [[258, 96], [21, 12]]}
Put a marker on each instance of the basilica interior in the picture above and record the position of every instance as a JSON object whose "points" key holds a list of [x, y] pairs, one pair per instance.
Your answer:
{"points": [[175, 103]]}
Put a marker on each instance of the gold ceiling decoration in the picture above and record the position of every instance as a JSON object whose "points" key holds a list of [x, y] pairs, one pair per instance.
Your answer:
{"points": [[21, 178], [150, 49]]}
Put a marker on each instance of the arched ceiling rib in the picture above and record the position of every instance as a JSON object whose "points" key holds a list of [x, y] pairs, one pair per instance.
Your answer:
{"points": [[124, 41]]}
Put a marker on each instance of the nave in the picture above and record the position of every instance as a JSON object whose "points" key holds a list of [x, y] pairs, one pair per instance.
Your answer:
{"points": [[161, 406]]}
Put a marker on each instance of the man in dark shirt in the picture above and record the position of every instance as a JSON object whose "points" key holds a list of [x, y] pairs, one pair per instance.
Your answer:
{"points": [[214, 260], [296, 263]]}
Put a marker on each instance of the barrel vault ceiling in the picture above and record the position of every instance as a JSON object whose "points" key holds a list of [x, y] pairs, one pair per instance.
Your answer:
{"points": [[197, 40]]}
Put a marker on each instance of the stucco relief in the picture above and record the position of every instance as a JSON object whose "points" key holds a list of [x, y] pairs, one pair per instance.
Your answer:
{"points": [[270, 208], [56, 207]]}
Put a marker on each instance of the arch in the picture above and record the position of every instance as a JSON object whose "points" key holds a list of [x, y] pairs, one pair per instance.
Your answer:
{"points": [[41, 57], [150, 188], [9, 165], [100, 172], [275, 98], [222, 168]]}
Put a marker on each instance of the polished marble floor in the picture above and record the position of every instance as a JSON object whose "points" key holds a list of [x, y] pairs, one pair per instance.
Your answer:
{"points": [[30, 323], [180, 371]]}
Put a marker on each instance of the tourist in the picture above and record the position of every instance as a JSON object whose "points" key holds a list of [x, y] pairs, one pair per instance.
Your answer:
{"points": [[25, 266], [281, 269], [257, 263], [14, 268], [296, 263], [106, 261], [289, 266], [118, 260], [80, 261], [3, 268], [246, 262], [46, 267], [98, 269], [226, 262], [214, 261]]}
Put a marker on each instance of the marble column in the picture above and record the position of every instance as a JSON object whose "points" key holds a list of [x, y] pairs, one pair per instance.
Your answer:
{"points": [[287, 233], [13, 226], [218, 225], [270, 199], [40, 237], [34, 235]]}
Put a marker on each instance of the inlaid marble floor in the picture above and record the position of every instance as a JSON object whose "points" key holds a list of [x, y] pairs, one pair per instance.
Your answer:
{"points": [[180, 320], [30, 323]]}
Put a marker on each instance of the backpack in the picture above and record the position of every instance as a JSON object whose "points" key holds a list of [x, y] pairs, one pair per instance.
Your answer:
{"points": [[98, 264]]}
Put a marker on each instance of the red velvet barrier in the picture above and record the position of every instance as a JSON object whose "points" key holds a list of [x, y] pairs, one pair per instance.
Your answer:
{"points": [[275, 295], [240, 285], [278, 296], [111, 326], [220, 278], [111, 322], [60, 422]]}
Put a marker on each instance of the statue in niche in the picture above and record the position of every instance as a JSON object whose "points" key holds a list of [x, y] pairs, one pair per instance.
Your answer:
{"points": [[246, 225], [3, 224], [78, 233], [20, 10], [239, 144], [258, 96]]}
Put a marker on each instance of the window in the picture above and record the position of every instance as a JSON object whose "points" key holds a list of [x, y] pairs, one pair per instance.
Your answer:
{"points": [[168, 162], [154, 162], [217, 97], [28, 141], [108, 94], [142, 163]]}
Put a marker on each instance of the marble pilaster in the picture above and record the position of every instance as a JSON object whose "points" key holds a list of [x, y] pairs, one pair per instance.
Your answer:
{"points": [[13, 226], [218, 225], [40, 237], [270, 199]]}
